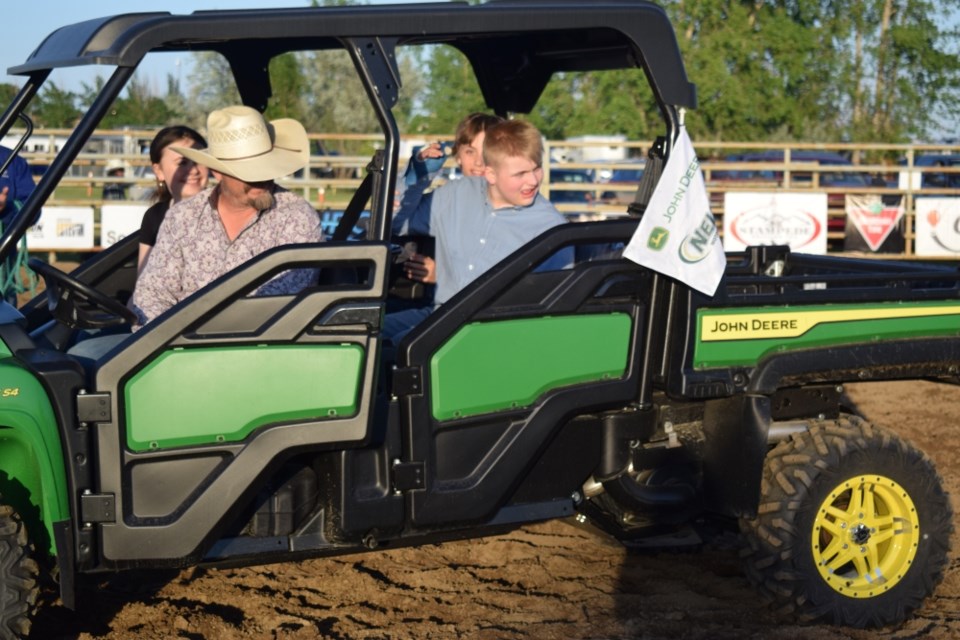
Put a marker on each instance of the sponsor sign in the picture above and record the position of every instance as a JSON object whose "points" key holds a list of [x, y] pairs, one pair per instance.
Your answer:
{"points": [[874, 219], [62, 228], [329, 219], [677, 235], [752, 218], [937, 226], [117, 221]]}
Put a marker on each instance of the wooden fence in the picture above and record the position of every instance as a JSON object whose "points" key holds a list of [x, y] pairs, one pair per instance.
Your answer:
{"points": [[578, 173]]}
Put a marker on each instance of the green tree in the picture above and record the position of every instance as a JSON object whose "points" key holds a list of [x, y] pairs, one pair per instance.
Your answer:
{"points": [[137, 107], [450, 91], [733, 52], [336, 100], [904, 72], [8, 92], [211, 86], [56, 108], [288, 87], [881, 70], [608, 102], [177, 103]]}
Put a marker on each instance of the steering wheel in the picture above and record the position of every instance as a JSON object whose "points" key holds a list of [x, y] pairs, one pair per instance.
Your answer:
{"points": [[77, 304]]}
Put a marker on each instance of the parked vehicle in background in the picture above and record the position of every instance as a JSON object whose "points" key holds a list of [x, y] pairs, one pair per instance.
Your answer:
{"points": [[931, 179], [620, 184], [798, 177], [568, 177]]}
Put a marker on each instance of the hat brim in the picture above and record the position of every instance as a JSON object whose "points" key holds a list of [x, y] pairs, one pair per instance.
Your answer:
{"points": [[290, 153]]}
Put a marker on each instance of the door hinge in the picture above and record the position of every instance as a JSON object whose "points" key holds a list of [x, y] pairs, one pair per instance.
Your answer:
{"points": [[407, 381], [94, 407], [408, 476], [98, 507]]}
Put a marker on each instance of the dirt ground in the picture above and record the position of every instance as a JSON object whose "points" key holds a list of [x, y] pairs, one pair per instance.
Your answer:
{"points": [[541, 582]]}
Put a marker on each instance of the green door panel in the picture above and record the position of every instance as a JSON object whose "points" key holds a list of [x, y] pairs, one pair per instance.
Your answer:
{"points": [[742, 336], [32, 473], [494, 366], [222, 394]]}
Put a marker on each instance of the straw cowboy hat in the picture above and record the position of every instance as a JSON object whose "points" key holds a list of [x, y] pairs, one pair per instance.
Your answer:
{"points": [[243, 145]]}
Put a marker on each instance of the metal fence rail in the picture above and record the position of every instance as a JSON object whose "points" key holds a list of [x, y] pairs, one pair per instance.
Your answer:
{"points": [[580, 175]]}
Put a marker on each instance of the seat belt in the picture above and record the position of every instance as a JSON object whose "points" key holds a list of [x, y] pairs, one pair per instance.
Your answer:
{"points": [[351, 214], [650, 177]]}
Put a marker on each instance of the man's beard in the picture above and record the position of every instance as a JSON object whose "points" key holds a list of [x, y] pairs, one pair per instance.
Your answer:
{"points": [[262, 202]]}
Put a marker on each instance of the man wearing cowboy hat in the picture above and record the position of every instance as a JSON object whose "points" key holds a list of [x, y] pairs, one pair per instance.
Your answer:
{"points": [[245, 214]]}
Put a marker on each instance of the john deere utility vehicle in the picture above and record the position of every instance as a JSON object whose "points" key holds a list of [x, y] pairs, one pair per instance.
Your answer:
{"points": [[237, 429]]}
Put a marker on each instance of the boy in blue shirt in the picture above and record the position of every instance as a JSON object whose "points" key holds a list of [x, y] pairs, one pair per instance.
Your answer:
{"points": [[479, 221]]}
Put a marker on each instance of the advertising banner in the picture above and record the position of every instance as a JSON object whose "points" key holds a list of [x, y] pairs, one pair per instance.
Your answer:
{"points": [[117, 221], [874, 223], [62, 228], [937, 227], [798, 220]]}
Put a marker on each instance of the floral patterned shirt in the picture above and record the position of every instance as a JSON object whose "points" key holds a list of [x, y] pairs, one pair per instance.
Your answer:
{"points": [[193, 249]]}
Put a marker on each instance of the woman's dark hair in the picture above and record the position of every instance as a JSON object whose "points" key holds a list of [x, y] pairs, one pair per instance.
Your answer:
{"points": [[470, 126], [164, 138]]}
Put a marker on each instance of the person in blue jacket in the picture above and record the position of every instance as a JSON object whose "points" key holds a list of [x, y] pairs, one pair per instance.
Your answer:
{"points": [[16, 184]]}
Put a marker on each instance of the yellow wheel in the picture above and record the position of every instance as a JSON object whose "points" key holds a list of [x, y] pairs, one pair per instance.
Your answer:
{"points": [[865, 536], [853, 526]]}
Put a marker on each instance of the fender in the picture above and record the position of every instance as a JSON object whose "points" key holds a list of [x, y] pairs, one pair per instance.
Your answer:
{"points": [[32, 474]]}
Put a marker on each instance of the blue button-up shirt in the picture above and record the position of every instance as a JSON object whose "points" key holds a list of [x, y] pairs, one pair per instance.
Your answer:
{"points": [[471, 235]]}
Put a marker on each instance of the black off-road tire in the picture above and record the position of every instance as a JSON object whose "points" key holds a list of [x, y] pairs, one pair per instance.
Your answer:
{"points": [[843, 497], [18, 576]]}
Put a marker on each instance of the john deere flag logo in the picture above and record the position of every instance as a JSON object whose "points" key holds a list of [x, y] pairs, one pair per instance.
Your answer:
{"points": [[658, 238], [677, 235]]}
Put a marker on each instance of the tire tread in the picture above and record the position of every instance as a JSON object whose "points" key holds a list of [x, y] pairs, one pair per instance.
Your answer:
{"points": [[774, 537]]}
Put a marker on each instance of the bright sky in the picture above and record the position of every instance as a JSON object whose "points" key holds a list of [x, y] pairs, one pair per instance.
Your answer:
{"points": [[27, 23]]}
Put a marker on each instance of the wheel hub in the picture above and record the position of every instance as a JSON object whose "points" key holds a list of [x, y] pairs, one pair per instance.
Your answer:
{"points": [[865, 536], [860, 534]]}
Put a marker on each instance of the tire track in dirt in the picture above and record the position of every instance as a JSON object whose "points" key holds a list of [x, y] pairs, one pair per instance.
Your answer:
{"points": [[544, 582]]}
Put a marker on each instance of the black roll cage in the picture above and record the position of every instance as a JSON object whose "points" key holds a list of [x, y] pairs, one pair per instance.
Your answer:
{"points": [[514, 47]]}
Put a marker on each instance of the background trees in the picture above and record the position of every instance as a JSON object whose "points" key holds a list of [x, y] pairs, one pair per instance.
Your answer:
{"points": [[865, 70], [809, 70]]}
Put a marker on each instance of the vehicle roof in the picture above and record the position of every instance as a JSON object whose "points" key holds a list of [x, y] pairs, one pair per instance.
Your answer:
{"points": [[933, 159], [513, 45]]}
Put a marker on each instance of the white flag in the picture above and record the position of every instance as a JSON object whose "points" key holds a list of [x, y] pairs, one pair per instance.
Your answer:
{"points": [[677, 235]]}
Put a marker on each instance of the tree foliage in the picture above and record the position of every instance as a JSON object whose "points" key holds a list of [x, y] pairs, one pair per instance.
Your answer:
{"points": [[56, 108], [451, 91], [820, 69], [813, 70], [138, 107]]}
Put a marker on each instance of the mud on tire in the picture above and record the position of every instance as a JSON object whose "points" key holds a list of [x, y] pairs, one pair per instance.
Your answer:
{"points": [[18, 576], [853, 526]]}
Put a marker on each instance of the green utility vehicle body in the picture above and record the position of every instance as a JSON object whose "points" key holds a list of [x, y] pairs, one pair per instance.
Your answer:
{"points": [[240, 429]]}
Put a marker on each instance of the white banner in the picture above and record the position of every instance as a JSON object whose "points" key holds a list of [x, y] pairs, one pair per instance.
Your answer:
{"points": [[62, 228], [117, 221], [761, 218], [677, 235], [937, 226]]}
